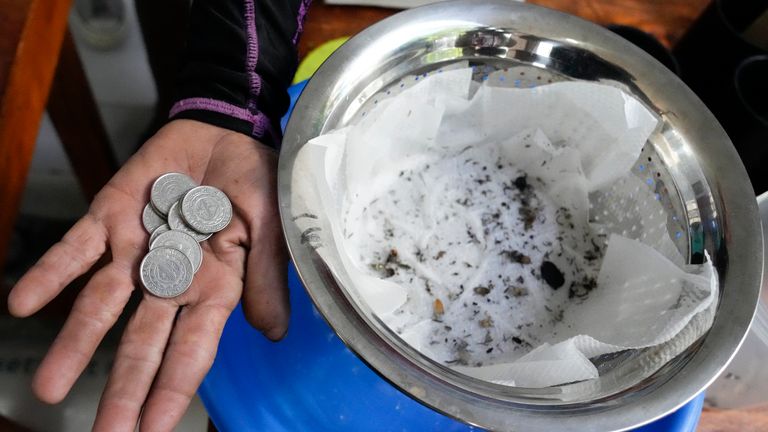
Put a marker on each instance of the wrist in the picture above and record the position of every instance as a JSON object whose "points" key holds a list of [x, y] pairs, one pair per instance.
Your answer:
{"points": [[228, 116]]}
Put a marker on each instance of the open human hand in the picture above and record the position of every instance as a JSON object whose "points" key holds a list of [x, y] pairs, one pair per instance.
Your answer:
{"points": [[168, 344]]}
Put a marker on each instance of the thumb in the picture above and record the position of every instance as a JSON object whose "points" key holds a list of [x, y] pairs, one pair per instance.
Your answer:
{"points": [[265, 299]]}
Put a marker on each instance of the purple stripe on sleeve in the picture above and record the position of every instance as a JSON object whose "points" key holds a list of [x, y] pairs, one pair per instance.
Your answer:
{"points": [[254, 80], [262, 126], [212, 105], [300, 18]]}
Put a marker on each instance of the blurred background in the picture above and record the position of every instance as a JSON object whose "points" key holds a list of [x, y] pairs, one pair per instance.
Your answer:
{"points": [[84, 83]]}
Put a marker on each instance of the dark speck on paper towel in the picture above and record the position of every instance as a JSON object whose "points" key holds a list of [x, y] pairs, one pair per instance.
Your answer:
{"points": [[552, 275]]}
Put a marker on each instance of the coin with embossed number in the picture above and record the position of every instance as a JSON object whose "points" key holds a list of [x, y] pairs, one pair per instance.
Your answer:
{"points": [[169, 188], [151, 219], [176, 222], [206, 209], [159, 230], [166, 272], [182, 242]]}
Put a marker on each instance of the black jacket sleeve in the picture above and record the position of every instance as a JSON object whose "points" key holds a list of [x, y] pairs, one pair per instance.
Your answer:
{"points": [[239, 60]]}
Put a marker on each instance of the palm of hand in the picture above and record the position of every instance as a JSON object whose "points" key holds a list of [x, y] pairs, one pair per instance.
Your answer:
{"points": [[163, 357]]}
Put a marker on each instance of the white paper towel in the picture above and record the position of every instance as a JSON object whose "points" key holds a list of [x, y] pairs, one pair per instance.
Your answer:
{"points": [[411, 198]]}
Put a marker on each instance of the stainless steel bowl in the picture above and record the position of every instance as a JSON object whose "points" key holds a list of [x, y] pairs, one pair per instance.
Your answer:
{"points": [[707, 191]]}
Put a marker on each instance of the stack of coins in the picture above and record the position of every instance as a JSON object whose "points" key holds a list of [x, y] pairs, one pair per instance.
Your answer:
{"points": [[179, 215]]}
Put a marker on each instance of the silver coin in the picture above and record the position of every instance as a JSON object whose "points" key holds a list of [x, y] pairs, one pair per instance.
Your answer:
{"points": [[159, 230], [183, 243], [176, 222], [169, 188], [206, 209], [166, 272], [151, 219]]}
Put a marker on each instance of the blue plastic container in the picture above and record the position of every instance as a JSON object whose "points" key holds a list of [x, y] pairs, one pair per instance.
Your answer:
{"points": [[310, 381]]}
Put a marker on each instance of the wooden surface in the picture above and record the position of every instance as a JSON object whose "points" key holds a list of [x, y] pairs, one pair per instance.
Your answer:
{"points": [[76, 118], [326, 22], [9, 426], [752, 419], [31, 32], [667, 20]]}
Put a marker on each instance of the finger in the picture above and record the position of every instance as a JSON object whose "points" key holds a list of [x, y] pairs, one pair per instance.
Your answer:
{"points": [[136, 363], [77, 251], [95, 311], [190, 355], [265, 298]]}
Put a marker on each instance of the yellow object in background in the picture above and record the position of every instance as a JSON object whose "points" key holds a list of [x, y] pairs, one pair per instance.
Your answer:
{"points": [[315, 58]]}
